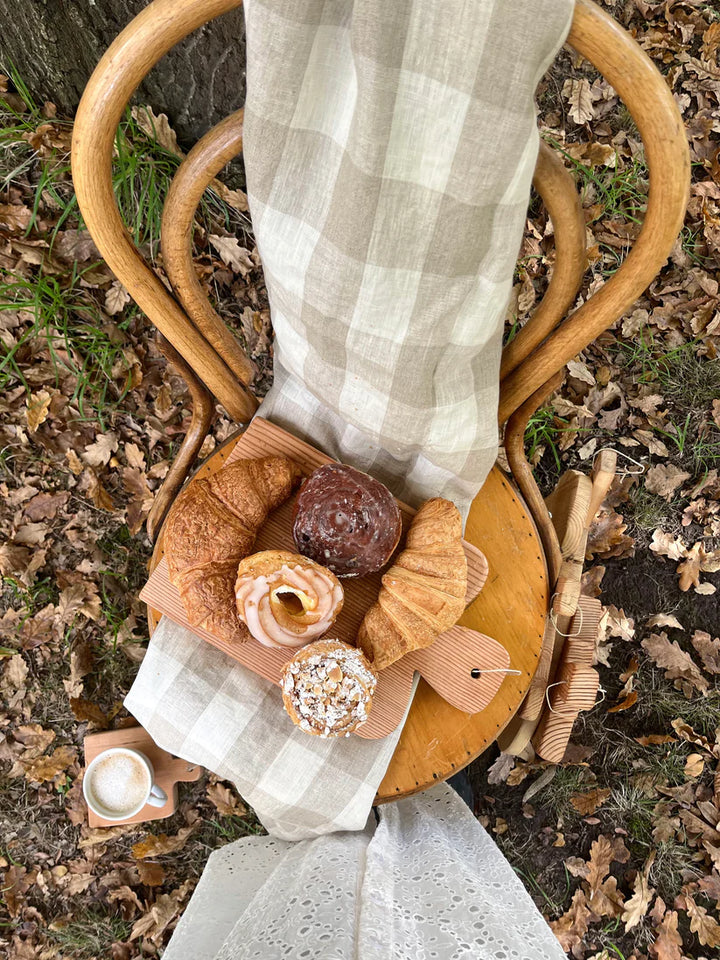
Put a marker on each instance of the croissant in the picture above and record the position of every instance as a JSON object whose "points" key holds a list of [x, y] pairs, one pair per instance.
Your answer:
{"points": [[212, 526], [423, 592]]}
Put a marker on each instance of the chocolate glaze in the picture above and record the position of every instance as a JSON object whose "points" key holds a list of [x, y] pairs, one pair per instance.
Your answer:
{"points": [[346, 520]]}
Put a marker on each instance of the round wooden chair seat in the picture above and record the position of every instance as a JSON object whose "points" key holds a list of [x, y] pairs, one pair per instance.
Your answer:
{"points": [[437, 739]]}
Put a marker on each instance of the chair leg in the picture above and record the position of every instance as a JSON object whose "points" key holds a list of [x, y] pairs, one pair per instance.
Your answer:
{"points": [[203, 409]]}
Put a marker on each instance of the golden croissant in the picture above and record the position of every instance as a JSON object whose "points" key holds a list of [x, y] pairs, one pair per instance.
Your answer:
{"points": [[212, 526], [423, 592]]}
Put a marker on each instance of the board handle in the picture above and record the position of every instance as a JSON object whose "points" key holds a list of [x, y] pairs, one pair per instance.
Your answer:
{"points": [[465, 667]]}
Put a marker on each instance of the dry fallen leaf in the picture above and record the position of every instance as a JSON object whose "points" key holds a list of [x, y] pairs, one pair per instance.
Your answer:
{"points": [[668, 942], [116, 298], [664, 479], [587, 803], [694, 765], [165, 909], [701, 923], [664, 620], [98, 453], [678, 664], [227, 803], [607, 537], [231, 253], [47, 768], [38, 407], [708, 649], [577, 93], [665, 545], [151, 874], [637, 906], [156, 845], [571, 927]]}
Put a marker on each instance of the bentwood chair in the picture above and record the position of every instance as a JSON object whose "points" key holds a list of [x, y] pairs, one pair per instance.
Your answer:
{"points": [[509, 520]]}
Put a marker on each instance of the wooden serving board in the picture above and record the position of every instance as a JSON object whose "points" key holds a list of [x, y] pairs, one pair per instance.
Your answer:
{"points": [[447, 665], [169, 771]]}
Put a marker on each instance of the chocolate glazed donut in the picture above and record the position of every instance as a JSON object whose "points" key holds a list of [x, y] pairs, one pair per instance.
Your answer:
{"points": [[346, 520]]}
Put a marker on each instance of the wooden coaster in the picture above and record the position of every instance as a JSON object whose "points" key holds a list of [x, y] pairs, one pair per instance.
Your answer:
{"points": [[463, 666], [169, 771]]}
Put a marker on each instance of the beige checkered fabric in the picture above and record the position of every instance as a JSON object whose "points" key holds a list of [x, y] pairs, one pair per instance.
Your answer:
{"points": [[389, 150]]}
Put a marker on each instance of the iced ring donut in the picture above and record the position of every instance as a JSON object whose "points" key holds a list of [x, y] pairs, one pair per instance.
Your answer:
{"points": [[286, 600], [346, 520], [328, 688]]}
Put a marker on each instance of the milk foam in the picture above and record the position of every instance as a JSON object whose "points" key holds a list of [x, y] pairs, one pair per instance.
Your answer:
{"points": [[120, 782]]}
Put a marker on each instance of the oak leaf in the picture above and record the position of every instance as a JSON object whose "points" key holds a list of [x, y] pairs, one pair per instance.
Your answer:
{"points": [[664, 620], [587, 803], [156, 845], [231, 253], [47, 768], [578, 95], [678, 665], [165, 909], [665, 545], [668, 942], [701, 923], [116, 298], [38, 407], [637, 906], [708, 649], [99, 452], [44, 506], [664, 479], [571, 927], [607, 537], [151, 874], [227, 803]]}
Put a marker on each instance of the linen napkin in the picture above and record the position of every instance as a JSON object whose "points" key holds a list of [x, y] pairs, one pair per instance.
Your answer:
{"points": [[389, 151]]}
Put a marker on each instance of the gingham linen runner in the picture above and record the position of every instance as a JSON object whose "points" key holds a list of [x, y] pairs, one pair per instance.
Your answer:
{"points": [[389, 150]]}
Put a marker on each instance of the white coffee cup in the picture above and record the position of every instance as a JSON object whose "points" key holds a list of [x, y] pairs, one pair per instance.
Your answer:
{"points": [[119, 782]]}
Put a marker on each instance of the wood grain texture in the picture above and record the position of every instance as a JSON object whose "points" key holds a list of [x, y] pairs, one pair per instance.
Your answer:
{"points": [[446, 665], [203, 409], [576, 690], [438, 739], [195, 173], [557, 190], [169, 771]]}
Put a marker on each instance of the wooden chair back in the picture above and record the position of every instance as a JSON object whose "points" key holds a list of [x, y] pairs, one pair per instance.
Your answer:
{"points": [[531, 364]]}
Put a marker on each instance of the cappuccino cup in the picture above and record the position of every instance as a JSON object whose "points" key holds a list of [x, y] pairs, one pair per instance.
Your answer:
{"points": [[119, 782]]}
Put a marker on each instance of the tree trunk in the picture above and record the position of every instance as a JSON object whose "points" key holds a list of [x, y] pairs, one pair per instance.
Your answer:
{"points": [[54, 46]]}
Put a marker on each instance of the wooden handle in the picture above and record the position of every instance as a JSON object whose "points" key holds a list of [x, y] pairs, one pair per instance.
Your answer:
{"points": [[448, 665], [603, 474]]}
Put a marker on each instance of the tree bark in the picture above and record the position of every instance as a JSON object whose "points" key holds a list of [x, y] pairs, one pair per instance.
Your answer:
{"points": [[54, 45]]}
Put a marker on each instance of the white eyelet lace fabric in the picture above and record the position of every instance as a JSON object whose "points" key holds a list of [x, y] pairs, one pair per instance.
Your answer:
{"points": [[425, 883]]}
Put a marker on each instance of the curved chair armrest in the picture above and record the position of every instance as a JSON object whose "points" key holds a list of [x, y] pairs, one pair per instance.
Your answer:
{"points": [[134, 52], [644, 91]]}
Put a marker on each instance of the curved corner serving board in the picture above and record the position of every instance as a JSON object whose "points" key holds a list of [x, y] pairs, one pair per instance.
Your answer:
{"points": [[446, 665]]}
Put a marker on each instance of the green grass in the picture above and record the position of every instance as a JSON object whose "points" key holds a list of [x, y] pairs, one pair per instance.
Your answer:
{"points": [[659, 703], [60, 311], [89, 935], [648, 511], [544, 430]]}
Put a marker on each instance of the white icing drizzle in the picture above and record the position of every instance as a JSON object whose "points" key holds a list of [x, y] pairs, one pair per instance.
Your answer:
{"points": [[254, 595]]}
